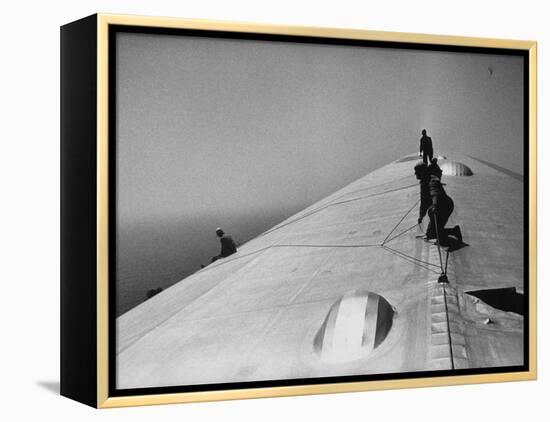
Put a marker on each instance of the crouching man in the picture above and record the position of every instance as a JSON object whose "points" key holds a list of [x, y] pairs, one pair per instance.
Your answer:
{"points": [[439, 212], [228, 246]]}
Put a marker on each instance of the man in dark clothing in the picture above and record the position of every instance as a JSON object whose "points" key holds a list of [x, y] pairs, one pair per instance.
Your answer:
{"points": [[422, 173], [227, 243], [426, 148], [433, 168], [439, 212]]}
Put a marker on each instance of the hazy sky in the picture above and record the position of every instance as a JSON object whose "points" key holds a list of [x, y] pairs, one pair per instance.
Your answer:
{"points": [[207, 121], [212, 131]]}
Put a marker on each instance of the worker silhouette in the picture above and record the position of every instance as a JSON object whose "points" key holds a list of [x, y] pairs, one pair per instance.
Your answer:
{"points": [[426, 147], [433, 168], [228, 246], [422, 173], [439, 211]]}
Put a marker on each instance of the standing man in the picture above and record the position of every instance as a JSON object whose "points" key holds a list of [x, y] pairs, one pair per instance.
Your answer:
{"points": [[227, 244], [426, 148]]}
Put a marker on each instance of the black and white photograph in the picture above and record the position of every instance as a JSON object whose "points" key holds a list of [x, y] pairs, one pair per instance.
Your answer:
{"points": [[299, 210], [275, 211]]}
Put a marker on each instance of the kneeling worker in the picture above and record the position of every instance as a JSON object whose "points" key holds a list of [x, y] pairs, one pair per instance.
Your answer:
{"points": [[227, 244], [439, 212]]}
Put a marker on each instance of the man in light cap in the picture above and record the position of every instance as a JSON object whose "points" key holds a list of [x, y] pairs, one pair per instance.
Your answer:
{"points": [[227, 243]]}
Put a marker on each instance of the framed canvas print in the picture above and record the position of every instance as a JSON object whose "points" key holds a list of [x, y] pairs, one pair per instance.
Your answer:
{"points": [[255, 210]]}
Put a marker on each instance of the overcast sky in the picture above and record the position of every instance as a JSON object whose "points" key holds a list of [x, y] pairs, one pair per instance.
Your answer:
{"points": [[213, 128], [204, 122]]}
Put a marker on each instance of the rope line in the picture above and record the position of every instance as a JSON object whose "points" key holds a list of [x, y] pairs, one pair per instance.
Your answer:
{"points": [[226, 261], [401, 234], [373, 194], [330, 204], [409, 259], [438, 243], [402, 218], [328, 246]]}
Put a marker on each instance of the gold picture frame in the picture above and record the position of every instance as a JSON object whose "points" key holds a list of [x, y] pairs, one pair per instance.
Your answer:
{"points": [[80, 38]]}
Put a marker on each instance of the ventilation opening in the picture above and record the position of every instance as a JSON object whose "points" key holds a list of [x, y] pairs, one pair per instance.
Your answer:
{"points": [[355, 325], [454, 168], [505, 299]]}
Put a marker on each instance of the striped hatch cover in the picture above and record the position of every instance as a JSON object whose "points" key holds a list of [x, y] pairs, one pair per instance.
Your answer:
{"points": [[454, 168], [356, 324]]}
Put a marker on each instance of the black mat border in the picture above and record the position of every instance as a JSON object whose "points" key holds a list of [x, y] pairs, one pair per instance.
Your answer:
{"points": [[114, 29]]}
